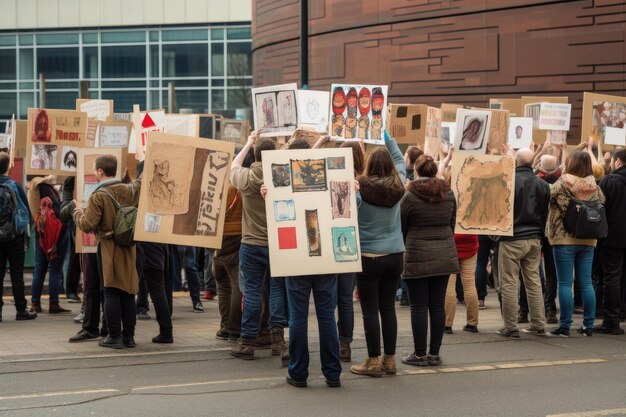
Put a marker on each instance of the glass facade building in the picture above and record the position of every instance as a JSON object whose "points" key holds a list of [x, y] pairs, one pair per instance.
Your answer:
{"points": [[210, 65]]}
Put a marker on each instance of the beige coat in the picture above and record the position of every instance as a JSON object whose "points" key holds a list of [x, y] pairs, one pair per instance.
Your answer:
{"points": [[118, 264]]}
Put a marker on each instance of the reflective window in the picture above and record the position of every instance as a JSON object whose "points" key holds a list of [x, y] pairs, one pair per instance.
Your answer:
{"points": [[239, 98], [122, 37], [57, 38], [123, 61], [7, 64], [239, 59], [61, 99], [124, 100], [217, 59], [90, 62], [7, 40], [8, 105], [185, 60], [57, 62], [27, 64], [238, 33], [185, 35]]}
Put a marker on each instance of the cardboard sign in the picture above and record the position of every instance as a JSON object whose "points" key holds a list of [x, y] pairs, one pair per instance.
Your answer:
{"points": [[312, 225], [412, 123], [53, 139], [498, 130], [183, 193], [210, 125], [233, 130], [113, 134], [182, 124], [100, 110], [513, 105], [604, 119], [472, 131], [448, 112], [535, 110], [520, 132], [275, 109], [144, 122], [358, 112]]}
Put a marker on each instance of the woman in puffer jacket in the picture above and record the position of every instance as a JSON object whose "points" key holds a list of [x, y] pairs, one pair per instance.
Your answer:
{"points": [[573, 256]]}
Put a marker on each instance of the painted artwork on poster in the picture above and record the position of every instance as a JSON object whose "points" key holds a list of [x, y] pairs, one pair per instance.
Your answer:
{"points": [[604, 118], [472, 131], [358, 112], [557, 137], [484, 186], [43, 157], [313, 107], [448, 131], [185, 184], [69, 158], [312, 225], [236, 131], [520, 132], [308, 175], [275, 109]]}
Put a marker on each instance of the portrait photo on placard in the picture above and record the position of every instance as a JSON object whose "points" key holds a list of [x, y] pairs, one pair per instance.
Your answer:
{"points": [[520, 132], [69, 158]]}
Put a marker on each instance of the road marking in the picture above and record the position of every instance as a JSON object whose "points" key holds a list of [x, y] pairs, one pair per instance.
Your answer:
{"points": [[59, 394], [613, 412], [197, 384]]}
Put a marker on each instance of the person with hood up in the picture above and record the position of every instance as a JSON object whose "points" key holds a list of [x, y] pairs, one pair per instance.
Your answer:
{"points": [[573, 256]]}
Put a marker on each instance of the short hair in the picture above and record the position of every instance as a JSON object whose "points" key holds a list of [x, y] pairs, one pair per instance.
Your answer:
{"points": [[263, 144], [425, 167], [579, 164], [413, 152], [621, 155], [299, 143], [108, 164], [358, 157], [5, 161]]}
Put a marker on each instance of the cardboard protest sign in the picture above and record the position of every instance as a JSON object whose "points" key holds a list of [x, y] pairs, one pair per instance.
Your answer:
{"points": [[498, 130], [412, 123], [113, 134], [97, 111], [87, 183], [448, 112], [144, 122], [210, 125], [7, 140], [513, 105], [358, 112], [236, 131], [604, 119], [520, 132], [312, 224], [531, 106], [183, 193], [53, 139], [472, 131], [182, 124], [313, 109], [484, 186], [275, 109]]}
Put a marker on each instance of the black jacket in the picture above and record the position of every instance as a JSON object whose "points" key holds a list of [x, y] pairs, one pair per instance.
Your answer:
{"points": [[614, 188], [530, 213]]}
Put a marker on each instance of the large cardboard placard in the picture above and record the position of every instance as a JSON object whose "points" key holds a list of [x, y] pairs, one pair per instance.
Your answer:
{"points": [[358, 112], [113, 134], [412, 123], [472, 130], [448, 112], [86, 184], [513, 105], [313, 110], [275, 109], [312, 225], [233, 130], [484, 186], [604, 119], [182, 124], [498, 130], [538, 134], [183, 192], [97, 109], [143, 123], [53, 139]]}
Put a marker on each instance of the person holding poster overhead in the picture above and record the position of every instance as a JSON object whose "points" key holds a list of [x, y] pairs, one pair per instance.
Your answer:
{"points": [[382, 249]]}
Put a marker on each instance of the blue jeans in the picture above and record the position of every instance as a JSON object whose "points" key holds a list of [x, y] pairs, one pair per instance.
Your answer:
{"points": [[570, 260], [54, 267], [188, 255], [345, 306], [254, 264], [324, 289], [278, 303]]}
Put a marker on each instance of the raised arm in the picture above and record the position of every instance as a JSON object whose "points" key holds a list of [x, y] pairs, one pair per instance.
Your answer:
{"points": [[396, 156], [241, 156]]}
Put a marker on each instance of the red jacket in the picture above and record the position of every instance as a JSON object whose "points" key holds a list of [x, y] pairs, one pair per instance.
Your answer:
{"points": [[466, 245]]}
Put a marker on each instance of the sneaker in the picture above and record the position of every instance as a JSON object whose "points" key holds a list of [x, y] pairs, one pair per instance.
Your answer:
{"points": [[608, 330], [143, 315], [222, 335], [79, 318], [415, 360], [560, 331], [481, 304], [470, 328], [371, 367], [447, 330], [585, 331], [433, 360], [197, 307], [513, 333], [534, 330], [207, 295], [83, 336], [551, 317], [522, 318]]}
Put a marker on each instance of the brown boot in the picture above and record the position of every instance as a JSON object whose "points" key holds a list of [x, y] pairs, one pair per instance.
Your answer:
{"points": [[35, 307], [345, 353], [244, 350], [263, 341], [389, 364], [371, 367], [279, 347], [55, 308]]}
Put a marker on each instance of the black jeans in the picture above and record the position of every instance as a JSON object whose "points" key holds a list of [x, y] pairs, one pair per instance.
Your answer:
{"points": [[484, 248], [13, 252], [377, 286], [551, 285], [153, 258], [120, 312], [92, 293], [427, 296], [72, 279], [613, 284]]}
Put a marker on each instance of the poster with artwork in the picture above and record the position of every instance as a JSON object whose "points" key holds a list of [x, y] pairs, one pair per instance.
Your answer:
{"points": [[557, 137], [498, 130], [484, 186], [87, 183], [113, 134], [604, 119], [531, 107], [233, 130], [412, 124], [472, 131], [51, 137], [275, 109], [184, 188], [549, 116], [520, 132], [358, 112], [313, 107], [311, 210]]}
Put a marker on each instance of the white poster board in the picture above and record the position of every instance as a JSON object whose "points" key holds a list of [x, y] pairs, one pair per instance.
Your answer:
{"points": [[520, 132], [615, 136], [472, 131], [313, 109], [275, 109], [555, 116], [312, 225], [358, 112]]}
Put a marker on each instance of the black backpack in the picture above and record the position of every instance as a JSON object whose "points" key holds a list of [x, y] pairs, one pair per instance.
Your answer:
{"points": [[8, 208], [585, 219]]}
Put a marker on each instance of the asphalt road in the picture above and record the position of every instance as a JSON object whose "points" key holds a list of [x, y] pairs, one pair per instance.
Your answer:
{"points": [[481, 376]]}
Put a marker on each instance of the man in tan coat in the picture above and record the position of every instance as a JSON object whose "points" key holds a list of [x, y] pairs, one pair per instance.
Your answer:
{"points": [[116, 264]]}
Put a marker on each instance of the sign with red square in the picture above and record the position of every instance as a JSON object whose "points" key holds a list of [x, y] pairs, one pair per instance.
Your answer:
{"points": [[287, 238]]}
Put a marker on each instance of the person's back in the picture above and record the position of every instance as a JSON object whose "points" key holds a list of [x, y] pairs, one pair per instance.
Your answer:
{"points": [[532, 197]]}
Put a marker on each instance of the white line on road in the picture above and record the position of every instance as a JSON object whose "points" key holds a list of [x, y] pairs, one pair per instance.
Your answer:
{"points": [[59, 394], [196, 384], [613, 412]]}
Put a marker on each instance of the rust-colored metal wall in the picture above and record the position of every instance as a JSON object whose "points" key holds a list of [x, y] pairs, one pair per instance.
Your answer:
{"points": [[455, 51]]}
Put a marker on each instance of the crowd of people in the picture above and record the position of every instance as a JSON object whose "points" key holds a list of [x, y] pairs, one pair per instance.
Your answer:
{"points": [[409, 253]]}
